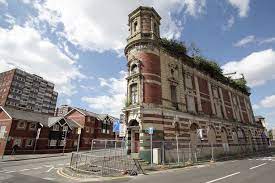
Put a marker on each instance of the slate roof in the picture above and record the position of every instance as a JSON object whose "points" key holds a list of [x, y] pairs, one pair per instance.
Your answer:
{"points": [[27, 115]]}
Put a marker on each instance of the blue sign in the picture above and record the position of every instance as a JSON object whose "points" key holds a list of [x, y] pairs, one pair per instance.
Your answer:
{"points": [[150, 130], [116, 126]]}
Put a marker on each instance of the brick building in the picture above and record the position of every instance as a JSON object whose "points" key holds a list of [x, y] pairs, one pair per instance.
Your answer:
{"points": [[21, 127], [26, 91], [166, 92]]}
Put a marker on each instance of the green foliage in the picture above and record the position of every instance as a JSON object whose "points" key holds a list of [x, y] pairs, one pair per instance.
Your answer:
{"points": [[209, 67], [173, 46]]}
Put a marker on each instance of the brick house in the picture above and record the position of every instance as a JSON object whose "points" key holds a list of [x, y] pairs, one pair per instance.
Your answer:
{"points": [[94, 126], [21, 128]]}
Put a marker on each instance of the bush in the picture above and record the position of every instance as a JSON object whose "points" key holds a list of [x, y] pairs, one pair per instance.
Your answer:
{"points": [[173, 46]]}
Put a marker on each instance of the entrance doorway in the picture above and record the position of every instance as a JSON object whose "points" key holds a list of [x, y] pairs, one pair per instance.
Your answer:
{"points": [[133, 136]]}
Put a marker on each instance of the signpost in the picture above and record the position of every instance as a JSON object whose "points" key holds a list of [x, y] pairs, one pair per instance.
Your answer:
{"points": [[37, 136], [78, 142], [150, 131], [65, 140]]}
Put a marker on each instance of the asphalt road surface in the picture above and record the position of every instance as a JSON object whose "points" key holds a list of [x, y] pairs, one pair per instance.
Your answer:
{"points": [[33, 171], [256, 170]]}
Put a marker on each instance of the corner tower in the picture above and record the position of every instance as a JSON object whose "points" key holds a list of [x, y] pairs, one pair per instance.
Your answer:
{"points": [[144, 73]]}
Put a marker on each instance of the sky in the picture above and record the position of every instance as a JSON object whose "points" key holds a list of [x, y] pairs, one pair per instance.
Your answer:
{"points": [[78, 45]]}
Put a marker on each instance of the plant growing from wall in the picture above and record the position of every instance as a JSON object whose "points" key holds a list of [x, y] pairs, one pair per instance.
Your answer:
{"points": [[173, 46], [203, 64]]}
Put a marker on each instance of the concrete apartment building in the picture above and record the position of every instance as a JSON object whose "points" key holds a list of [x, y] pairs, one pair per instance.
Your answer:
{"points": [[62, 110], [26, 91], [166, 92]]}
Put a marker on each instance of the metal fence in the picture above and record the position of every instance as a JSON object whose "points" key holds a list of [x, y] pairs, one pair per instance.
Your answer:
{"points": [[109, 157], [176, 152], [106, 158]]}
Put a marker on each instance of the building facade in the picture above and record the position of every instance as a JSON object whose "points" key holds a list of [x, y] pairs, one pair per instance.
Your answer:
{"points": [[165, 92], [26, 91], [43, 133]]}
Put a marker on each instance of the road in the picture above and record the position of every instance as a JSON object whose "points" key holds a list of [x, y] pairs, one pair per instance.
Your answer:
{"points": [[33, 171], [44, 170], [239, 171]]}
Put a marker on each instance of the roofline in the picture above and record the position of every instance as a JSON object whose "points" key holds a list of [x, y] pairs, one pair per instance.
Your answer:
{"points": [[6, 112], [75, 122], [72, 110]]}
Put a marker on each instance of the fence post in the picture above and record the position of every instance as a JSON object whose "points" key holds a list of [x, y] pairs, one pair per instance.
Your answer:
{"points": [[177, 141], [190, 153], [151, 139], [163, 151], [92, 145], [212, 152]]}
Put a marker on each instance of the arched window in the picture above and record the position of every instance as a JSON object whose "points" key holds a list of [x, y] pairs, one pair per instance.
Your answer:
{"points": [[135, 26], [134, 93], [134, 69]]}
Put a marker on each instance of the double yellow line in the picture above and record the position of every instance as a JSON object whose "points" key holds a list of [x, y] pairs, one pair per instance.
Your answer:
{"points": [[61, 173]]}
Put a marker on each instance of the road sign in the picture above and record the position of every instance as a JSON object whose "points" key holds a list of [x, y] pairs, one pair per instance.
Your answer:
{"points": [[122, 130], [78, 131], [150, 130], [38, 133], [116, 127]]}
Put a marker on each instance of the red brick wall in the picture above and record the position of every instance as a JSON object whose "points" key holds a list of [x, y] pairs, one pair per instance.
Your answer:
{"points": [[77, 116], [203, 85], [151, 64], [4, 121]]}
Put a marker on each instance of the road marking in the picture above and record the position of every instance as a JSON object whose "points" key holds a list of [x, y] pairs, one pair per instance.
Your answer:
{"points": [[50, 169], [60, 164], [24, 170], [10, 172], [1, 171], [37, 168], [215, 180], [257, 166]]}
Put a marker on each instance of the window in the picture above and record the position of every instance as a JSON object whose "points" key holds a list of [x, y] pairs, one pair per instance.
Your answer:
{"points": [[62, 142], [134, 69], [134, 96], [17, 141], [29, 142], [55, 127], [87, 129], [174, 96], [21, 125], [65, 128], [135, 26], [32, 126], [52, 143]]}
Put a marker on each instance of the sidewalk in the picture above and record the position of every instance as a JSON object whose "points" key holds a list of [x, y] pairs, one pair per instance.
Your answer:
{"points": [[31, 156]]}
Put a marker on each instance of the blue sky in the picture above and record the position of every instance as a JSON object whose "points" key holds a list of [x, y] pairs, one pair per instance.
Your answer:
{"points": [[78, 45]]}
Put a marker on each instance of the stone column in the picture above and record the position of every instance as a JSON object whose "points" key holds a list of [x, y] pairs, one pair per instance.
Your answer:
{"points": [[223, 106], [198, 94], [211, 98]]}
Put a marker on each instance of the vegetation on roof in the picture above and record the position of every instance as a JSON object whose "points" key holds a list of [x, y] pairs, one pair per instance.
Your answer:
{"points": [[203, 64]]}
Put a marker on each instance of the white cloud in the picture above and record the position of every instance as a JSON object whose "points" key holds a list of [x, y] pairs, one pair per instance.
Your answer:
{"points": [[241, 5], [252, 39], [267, 40], [4, 2], [23, 47], [113, 102], [268, 102], [99, 26], [229, 24], [246, 40], [258, 67]]}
